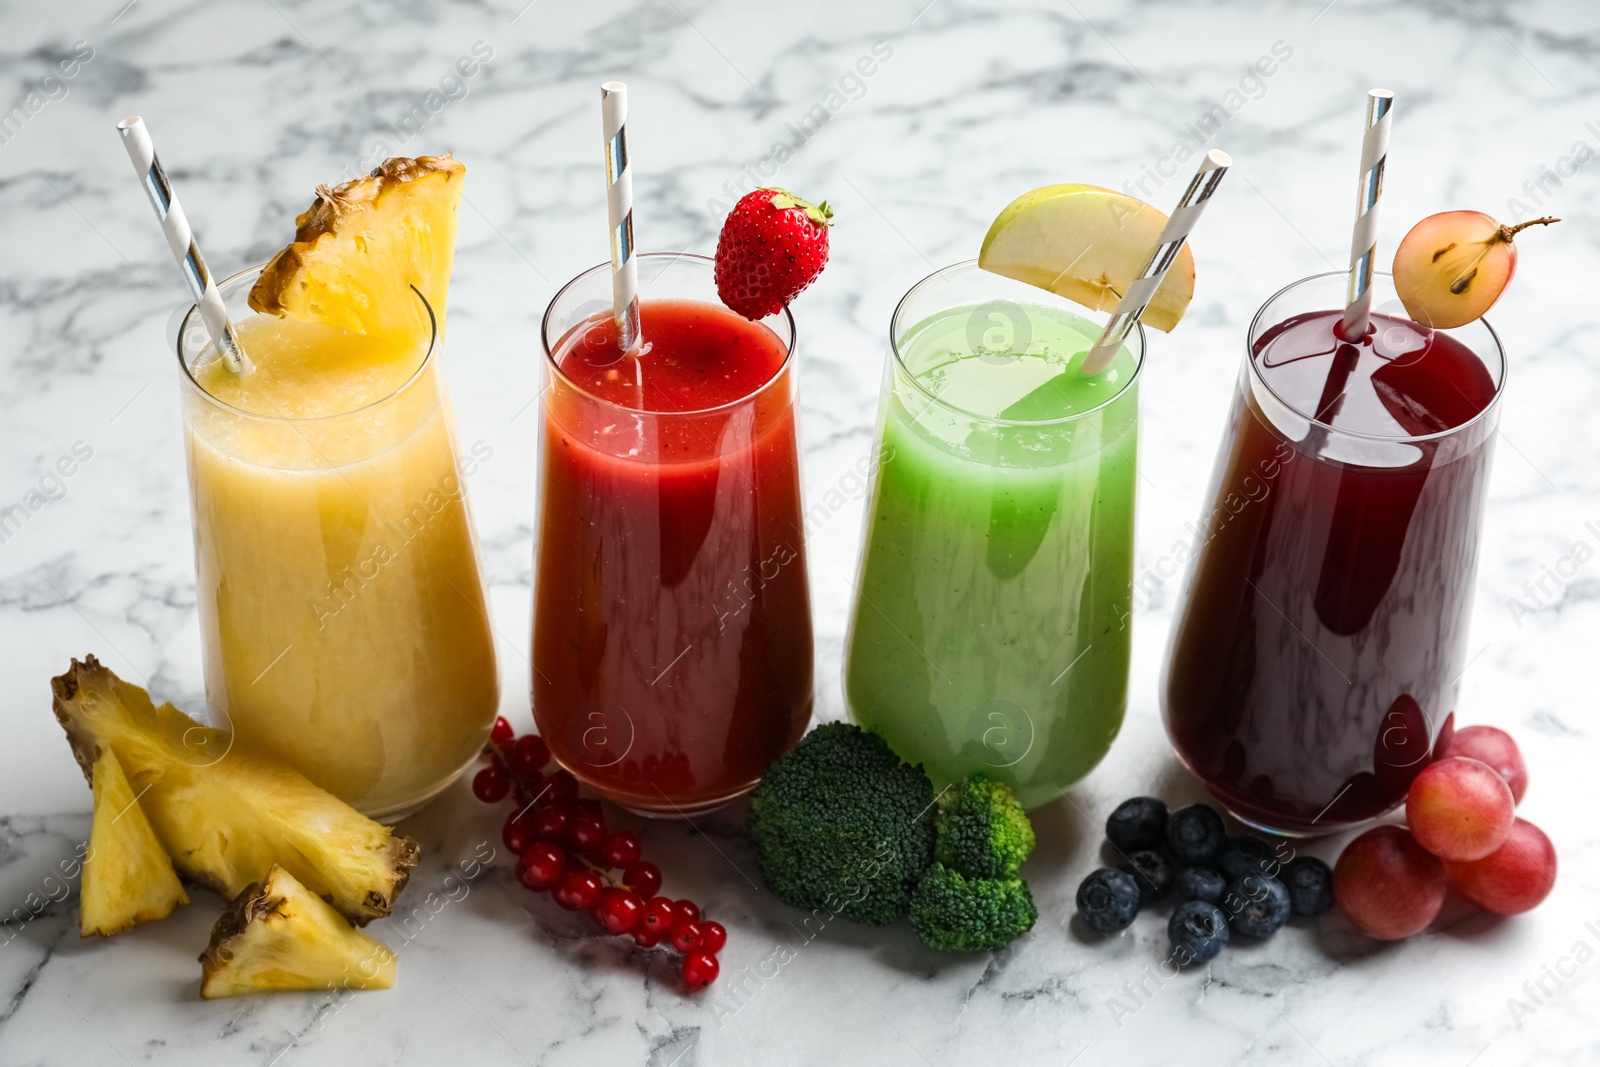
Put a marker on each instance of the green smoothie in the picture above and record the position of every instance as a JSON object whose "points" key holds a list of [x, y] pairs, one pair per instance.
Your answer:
{"points": [[991, 624]]}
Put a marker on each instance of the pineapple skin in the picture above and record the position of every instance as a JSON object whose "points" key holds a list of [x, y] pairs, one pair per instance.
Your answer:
{"points": [[278, 935], [127, 875], [223, 813]]}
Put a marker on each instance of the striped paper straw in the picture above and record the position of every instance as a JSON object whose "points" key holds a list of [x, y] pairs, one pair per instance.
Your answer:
{"points": [[180, 238], [619, 209], [1168, 245], [1364, 237]]}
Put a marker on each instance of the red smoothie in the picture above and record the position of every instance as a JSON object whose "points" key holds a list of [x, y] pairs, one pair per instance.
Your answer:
{"points": [[672, 650]]}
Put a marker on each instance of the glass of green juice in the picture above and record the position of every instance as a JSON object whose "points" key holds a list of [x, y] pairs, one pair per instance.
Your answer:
{"points": [[991, 624]]}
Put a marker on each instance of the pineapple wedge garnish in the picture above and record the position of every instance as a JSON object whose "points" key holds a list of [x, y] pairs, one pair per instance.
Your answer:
{"points": [[362, 245], [127, 875], [224, 813], [279, 935]]}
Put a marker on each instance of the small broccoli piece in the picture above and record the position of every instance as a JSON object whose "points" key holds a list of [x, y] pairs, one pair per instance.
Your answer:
{"points": [[841, 824], [953, 913], [982, 830]]}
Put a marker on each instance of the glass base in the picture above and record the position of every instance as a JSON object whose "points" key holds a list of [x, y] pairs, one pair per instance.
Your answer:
{"points": [[393, 813]]}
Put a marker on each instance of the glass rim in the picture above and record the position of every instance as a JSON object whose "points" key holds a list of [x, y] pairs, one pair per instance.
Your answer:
{"points": [[1412, 439], [302, 420], [791, 344], [994, 420]]}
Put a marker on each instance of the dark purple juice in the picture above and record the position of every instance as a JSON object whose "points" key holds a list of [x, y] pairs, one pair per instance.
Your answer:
{"points": [[1315, 658]]}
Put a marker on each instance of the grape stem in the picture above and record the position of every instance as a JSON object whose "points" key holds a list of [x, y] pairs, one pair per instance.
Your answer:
{"points": [[1504, 235]]}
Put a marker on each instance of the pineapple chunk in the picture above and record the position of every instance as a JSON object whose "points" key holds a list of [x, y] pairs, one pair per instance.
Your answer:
{"points": [[127, 876], [224, 813], [361, 246], [279, 935]]}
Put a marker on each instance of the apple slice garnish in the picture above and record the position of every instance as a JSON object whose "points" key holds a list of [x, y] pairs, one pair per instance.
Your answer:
{"points": [[1453, 266], [1089, 245]]}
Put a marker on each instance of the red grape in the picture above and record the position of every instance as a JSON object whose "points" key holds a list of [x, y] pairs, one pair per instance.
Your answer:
{"points": [[619, 910], [517, 832], [491, 784], [1387, 885], [700, 970], [1494, 747], [1513, 878], [542, 866], [501, 731], [712, 937], [528, 755], [1459, 809], [621, 850], [643, 878], [579, 890]]}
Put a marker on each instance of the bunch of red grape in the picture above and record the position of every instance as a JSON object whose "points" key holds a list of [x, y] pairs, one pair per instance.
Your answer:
{"points": [[563, 846]]}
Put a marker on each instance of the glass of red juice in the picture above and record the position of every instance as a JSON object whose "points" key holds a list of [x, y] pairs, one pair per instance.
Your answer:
{"points": [[1319, 644], [672, 649]]}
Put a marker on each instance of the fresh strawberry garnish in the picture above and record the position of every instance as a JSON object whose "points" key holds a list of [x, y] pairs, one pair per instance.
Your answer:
{"points": [[772, 246]]}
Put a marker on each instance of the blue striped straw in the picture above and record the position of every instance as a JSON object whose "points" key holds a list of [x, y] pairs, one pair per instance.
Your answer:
{"points": [[180, 238], [619, 209], [1364, 236], [1190, 206]]}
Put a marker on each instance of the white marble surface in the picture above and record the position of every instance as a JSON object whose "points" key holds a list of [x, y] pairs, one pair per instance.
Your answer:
{"points": [[252, 103]]}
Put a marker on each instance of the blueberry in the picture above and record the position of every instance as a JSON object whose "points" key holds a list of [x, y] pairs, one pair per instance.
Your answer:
{"points": [[1257, 905], [1137, 823], [1247, 855], [1201, 883], [1198, 930], [1152, 872], [1310, 884], [1108, 900], [1195, 834]]}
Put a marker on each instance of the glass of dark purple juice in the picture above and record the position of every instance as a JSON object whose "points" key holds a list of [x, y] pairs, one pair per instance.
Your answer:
{"points": [[1322, 634]]}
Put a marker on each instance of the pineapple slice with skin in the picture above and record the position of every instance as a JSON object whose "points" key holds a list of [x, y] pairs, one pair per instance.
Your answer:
{"points": [[127, 875], [362, 245], [279, 935], [224, 813]]}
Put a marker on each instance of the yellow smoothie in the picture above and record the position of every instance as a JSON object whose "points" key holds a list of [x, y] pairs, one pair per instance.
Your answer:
{"points": [[345, 626]]}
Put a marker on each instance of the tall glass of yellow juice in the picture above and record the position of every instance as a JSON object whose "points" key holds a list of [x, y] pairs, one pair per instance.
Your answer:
{"points": [[342, 609]]}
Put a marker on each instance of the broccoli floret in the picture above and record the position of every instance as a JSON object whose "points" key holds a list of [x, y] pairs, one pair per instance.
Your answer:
{"points": [[842, 825], [954, 913], [982, 830]]}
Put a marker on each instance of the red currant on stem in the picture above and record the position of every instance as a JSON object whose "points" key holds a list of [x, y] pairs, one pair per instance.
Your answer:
{"points": [[659, 915], [713, 936], [501, 731], [550, 823], [700, 969], [619, 910], [586, 832], [517, 832], [645, 937], [560, 786], [528, 755], [621, 850], [579, 890], [685, 937], [542, 866], [643, 878], [491, 784], [688, 911]]}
